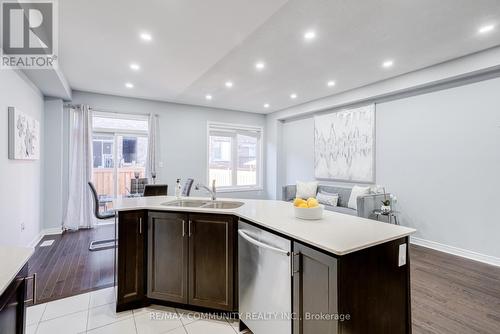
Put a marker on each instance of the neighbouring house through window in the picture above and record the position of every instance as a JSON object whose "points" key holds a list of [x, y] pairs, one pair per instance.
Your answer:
{"points": [[234, 156]]}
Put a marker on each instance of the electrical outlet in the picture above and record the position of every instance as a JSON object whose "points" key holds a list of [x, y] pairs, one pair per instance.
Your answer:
{"points": [[23, 226], [402, 255], [160, 164]]}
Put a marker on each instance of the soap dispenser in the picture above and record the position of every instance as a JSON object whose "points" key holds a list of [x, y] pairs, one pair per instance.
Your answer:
{"points": [[178, 189]]}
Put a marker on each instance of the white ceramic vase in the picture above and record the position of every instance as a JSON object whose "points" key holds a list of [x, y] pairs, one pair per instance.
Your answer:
{"points": [[385, 208]]}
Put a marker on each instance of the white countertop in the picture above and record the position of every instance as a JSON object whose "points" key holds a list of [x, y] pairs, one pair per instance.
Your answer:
{"points": [[336, 233], [12, 260]]}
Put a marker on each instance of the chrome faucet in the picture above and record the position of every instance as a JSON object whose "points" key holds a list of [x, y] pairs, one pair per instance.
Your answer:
{"points": [[213, 191]]}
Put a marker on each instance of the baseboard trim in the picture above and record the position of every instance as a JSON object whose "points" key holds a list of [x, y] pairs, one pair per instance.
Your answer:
{"points": [[47, 231], [488, 259]]}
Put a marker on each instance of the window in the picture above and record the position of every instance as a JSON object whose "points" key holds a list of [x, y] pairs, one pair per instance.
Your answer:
{"points": [[234, 156]]}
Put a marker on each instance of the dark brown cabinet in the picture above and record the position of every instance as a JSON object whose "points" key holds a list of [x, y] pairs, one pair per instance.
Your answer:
{"points": [[131, 259], [374, 289], [168, 257], [191, 259], [367, 291], [314, 290], [211, 261], [12, 305]]}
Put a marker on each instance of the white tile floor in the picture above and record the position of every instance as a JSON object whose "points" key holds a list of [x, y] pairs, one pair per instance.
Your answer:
{"points": [[94, 313]]}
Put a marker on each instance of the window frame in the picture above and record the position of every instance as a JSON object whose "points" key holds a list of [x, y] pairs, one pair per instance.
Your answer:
{"points": [[134, 117], [234, 156]]}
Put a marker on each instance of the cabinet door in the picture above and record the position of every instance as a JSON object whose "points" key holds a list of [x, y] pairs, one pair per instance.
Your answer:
{"points": [[211, 261], [12, 305], [314, 291], [168, 257], [131, 259]]}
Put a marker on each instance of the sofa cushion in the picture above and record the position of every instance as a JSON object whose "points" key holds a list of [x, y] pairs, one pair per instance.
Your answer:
{"points": [[306, 189], [355, 193], [340, 209], [344, 193], [327, 198]]}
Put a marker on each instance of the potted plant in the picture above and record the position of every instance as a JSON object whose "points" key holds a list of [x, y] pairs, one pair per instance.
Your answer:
{"points": [[386, 204]]}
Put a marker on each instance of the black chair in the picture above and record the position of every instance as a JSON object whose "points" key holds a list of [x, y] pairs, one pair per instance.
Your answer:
{"points": [[105, 243], [155, 190], [186, 188], [97, 204], [137, 186]]}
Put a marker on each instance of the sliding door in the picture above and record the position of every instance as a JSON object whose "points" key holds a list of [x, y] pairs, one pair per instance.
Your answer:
{"points": [[120, 147]]}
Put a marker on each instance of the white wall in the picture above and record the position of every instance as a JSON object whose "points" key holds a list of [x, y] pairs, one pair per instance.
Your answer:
{"points": [[20, 200], [182, 134], [440, 154]]}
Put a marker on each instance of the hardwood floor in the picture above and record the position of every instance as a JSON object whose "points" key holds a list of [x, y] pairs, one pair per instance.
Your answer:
{"points": [[68, 268], [450, 295], [453, 295]]}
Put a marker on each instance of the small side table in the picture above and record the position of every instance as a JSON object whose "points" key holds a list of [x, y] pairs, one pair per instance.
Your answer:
{"points": [[391, 215]]}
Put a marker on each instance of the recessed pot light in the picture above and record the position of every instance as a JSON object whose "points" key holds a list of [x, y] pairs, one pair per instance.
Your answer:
{"points": [[145, 36], [129, 85], [330, 83], [486, 29], [135, 67], [310, 35], [388, 63], [260, 65], [293, 96], [208, 97], [266, 105], [229, 84]]}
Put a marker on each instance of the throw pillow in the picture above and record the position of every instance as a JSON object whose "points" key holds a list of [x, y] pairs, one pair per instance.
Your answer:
{"points": [[328, 198], [355, 193], [306, 189]]}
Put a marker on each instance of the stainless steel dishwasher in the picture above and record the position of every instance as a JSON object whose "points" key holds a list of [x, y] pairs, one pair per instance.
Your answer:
{"points": [[264, 271]]}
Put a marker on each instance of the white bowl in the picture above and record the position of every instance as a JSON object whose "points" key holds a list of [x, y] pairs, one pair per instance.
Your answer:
{"points": [[309, 213]]}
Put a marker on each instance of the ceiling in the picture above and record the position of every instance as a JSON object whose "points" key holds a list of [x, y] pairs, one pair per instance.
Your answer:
{"points": [[198, 45]]}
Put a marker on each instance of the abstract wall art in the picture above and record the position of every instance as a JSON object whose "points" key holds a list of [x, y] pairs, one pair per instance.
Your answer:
{"points": [[344, 147], [24, 136]]}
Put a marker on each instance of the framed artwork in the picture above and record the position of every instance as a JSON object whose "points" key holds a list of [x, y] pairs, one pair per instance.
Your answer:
{"points": [[344, 145], [24, 136]]}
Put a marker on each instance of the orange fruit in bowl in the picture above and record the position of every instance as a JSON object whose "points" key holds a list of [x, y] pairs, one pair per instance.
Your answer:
{"points": [[298, 201], [312, 202], [303, 205]]}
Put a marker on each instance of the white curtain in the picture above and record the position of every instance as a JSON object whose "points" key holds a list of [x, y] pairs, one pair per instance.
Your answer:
{"points": [[152, 145], [79, 213]]}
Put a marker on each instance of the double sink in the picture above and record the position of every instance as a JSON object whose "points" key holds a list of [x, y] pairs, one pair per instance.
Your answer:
{"points": [[188, 203]]}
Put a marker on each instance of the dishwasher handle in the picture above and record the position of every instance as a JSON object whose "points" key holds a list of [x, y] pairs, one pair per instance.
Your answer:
{"points": [[261, 244]]}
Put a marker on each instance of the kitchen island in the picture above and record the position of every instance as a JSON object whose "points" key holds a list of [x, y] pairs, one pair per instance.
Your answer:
{"points": [[347, 274], [13, 283]]}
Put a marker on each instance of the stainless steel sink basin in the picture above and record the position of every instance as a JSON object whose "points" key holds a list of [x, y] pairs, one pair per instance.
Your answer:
{"points": [[223, 205], [186, 203]]}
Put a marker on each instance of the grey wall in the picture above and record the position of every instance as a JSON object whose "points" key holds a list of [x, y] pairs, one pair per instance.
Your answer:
{"points": [[54, 173], [273, 156], [298, 151], [182, 134], [20, 200], [439, 153]]}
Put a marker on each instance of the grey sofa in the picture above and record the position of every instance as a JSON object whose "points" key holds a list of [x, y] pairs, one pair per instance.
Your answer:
{"points": [[366, 204]]}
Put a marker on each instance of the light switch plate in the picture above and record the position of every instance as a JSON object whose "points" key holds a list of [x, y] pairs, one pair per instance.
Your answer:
{"points": [[402, 255]]}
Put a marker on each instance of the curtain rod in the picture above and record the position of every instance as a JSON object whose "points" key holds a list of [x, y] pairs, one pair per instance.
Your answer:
{"points": [[74, 106]]}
